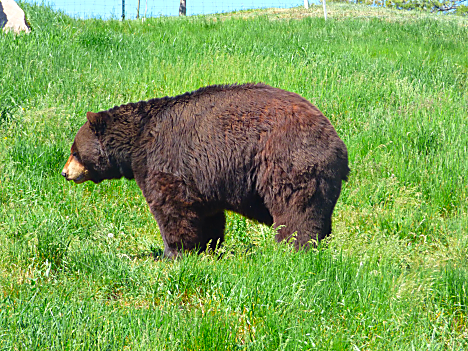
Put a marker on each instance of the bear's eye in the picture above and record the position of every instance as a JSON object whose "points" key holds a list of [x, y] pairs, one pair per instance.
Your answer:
{"points": [[75, 154]]}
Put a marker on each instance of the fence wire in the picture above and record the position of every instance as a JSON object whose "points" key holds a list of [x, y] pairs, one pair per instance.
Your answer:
{"points": [[150, 8]]}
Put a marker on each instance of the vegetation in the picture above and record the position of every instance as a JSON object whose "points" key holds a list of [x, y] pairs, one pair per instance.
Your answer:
{"points": [[458, 7], [77, 267]]}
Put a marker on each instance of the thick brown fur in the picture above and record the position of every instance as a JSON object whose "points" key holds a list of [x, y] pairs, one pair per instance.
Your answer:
{"points": [[263, 152]]}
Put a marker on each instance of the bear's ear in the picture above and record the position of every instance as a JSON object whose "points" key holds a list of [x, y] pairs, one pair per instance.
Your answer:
{"points": [[97, 121]]}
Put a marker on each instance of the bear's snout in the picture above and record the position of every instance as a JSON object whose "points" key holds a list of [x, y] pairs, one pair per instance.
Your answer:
{"points": [[74, 170]]}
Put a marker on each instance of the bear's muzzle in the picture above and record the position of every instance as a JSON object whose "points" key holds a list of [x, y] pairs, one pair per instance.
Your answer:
{"points": [[74, 170]]}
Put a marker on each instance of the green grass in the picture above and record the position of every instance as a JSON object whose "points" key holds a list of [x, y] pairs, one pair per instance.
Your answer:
{"points": [[76, 261]]}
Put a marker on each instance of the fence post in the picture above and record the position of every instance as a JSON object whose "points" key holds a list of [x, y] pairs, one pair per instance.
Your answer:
{"points": [[183, 8], [123, 10], [324, 9], [306, 4]]}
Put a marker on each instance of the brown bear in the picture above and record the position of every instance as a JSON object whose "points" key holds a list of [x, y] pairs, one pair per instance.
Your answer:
{"points": [[260, 151]]}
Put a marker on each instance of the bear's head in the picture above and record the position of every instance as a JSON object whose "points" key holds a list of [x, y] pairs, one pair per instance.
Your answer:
{"points": [[89, 159]]}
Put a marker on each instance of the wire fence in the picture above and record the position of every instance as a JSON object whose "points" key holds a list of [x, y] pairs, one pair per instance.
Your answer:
{"points": [[131, 9], [150, 8]]}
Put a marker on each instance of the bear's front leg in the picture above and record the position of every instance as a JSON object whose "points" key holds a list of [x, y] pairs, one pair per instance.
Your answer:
{"points": [[180, 213], [191, 232], [180, 230]]}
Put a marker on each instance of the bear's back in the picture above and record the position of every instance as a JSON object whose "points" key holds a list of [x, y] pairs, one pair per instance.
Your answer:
{"points": [[218, 136]]}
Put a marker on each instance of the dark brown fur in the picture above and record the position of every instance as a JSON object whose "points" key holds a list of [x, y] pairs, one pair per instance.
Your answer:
{"points": [[263, 152]]}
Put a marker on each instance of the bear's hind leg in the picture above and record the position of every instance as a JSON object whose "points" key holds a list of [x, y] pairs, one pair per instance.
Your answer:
{"points": [[307, 213], [303, 227]]}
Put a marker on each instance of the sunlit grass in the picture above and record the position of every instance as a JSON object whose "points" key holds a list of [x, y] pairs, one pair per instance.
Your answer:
{"points": [[77, 268]]}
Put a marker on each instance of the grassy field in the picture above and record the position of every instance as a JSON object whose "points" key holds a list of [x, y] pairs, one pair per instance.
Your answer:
{"points": [[77, 267]]}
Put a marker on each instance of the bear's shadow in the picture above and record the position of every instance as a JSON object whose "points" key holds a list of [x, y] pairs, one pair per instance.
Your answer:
{"points": [[154, 252]]}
